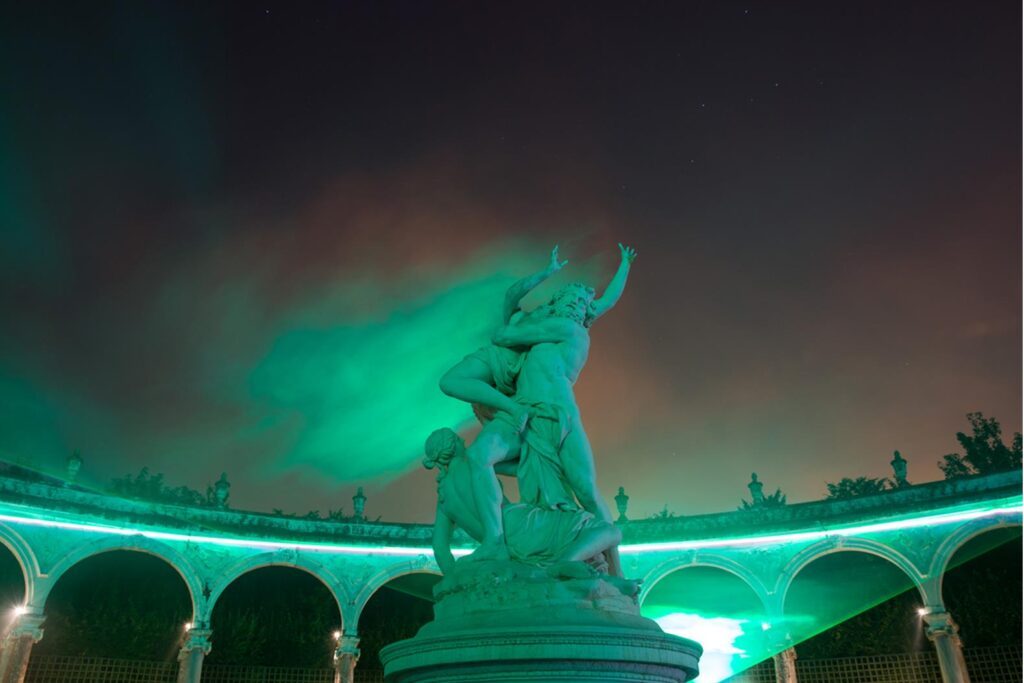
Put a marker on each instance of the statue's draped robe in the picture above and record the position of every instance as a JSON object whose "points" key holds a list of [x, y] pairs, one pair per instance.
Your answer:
{"points": [[547, 518]]}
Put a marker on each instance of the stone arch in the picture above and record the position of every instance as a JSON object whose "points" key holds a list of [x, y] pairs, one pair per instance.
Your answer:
{"points": [[135, 543], [417, 565], [713, 596], [833, 545], [667, 567], [954, 542], [22, 552], [280, 558]]}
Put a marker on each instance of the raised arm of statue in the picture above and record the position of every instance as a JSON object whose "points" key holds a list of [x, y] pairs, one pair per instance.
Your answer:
{"points": [[443, 541], [545, 330], [521, 288], [613, 292]]}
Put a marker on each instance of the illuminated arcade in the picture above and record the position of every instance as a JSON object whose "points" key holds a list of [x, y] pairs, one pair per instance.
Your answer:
{"points": [[745, 585]]}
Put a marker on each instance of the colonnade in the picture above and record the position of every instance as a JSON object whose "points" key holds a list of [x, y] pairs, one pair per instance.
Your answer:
{"points": [[917, 529], [27, 630]]}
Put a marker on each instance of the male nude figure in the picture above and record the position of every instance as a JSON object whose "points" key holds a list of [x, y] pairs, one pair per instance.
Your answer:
{"points": [[559, 344], [486, 378]]}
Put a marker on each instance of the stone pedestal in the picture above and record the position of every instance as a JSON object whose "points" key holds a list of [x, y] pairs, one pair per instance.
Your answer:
{"points": [[516, 624]]}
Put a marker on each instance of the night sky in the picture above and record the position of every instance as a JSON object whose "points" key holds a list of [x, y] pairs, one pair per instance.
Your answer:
{"points": [[250, 238]]}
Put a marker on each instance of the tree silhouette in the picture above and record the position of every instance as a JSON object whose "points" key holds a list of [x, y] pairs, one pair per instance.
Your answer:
{"points": [[984, 450], [775, 500], [847, 488]]}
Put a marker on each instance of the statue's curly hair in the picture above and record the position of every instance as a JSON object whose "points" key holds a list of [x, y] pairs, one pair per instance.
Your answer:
{"points": [[440, 448], [554, 307]]}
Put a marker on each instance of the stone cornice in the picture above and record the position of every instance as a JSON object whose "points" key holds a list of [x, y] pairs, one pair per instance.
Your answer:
{"points": [[106, 508], [916, 499]]}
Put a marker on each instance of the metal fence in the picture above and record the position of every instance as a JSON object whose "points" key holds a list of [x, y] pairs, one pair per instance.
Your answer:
{"points": [[369, 676], [916, 667], [994, 664], [759, 673], [265, 674], [985, 665], [98, 670]]}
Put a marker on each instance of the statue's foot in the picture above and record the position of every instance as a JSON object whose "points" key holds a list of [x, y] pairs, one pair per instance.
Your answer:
{"points": [[571, 570], [490, 552]]}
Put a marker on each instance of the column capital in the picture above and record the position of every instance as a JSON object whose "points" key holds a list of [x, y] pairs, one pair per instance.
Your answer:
{"points": [[28, 625], [196, 639], [939, 625], [347, 646]]}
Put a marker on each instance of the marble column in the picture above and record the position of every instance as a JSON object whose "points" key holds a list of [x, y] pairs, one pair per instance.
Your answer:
{"points": [[25, 632], [943, 631], [345, 657], [785, 666], [193, 651]]}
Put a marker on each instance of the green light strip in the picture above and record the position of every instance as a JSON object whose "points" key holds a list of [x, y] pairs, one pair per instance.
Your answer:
{"points": [[995, 508], [215, 540], [1005, 506]]}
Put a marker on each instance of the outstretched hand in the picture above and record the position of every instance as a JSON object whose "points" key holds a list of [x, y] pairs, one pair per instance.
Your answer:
{"points": [[628, 253], [555, 265]]}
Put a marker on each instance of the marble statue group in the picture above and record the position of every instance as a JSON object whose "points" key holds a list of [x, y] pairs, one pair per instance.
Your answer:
{"points": [[521, 389], [543, 597]]}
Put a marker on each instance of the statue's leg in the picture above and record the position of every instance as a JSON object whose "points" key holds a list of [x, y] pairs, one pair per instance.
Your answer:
{"points": [[498, 441], [597, 539], [472, 381], [578, 463]]}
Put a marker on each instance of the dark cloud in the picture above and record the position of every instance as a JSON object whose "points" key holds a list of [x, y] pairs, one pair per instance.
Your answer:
{"points": [[250, 241]]}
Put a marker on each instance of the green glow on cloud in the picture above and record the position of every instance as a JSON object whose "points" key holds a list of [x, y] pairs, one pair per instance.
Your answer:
{"points": [[349, 383]]}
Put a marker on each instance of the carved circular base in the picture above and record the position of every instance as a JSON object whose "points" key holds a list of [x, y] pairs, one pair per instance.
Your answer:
{"points": [[535, 655], [516, 623]]}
